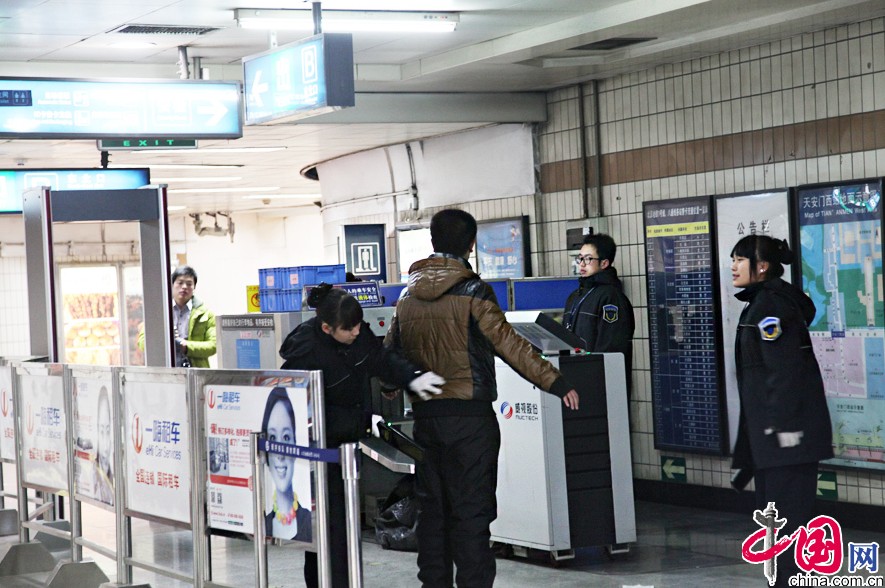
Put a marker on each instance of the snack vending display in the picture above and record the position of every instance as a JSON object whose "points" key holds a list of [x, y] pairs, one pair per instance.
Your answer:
{"points": [[91, 311]]}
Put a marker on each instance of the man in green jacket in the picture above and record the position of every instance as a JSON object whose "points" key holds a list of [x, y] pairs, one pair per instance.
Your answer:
{"points": [[193, 324]]}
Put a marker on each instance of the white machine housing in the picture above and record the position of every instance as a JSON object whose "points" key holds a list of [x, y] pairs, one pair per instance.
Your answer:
{"points": [[565, 477]]}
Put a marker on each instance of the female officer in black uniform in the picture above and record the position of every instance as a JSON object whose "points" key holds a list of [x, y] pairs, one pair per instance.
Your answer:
{"points": [[339, 343], [785, 424]]}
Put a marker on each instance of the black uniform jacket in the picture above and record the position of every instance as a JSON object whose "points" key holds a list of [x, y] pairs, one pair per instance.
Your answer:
{"points": [[346, 372], [601, 315], [779, 379]]}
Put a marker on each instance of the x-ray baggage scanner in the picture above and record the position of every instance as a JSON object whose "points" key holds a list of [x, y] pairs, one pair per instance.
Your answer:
{"points": [[565, 478], [252, 341]]}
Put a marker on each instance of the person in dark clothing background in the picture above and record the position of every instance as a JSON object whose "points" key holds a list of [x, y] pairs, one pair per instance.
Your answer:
{"points": [[784, 428], [598, 311], [338, 342], [448, 320]]}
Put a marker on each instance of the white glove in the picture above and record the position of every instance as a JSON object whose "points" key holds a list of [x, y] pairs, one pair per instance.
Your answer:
{"points": [[376, 418], [789, 439], [426, 385]]}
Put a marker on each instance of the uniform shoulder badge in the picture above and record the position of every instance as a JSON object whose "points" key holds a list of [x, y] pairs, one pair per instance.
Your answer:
{"points": [[610, 313], [770, 328]]}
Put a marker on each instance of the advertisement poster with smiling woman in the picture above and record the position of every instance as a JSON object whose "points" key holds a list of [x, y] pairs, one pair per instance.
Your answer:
{"points": [[232, 414], [94, 440]]}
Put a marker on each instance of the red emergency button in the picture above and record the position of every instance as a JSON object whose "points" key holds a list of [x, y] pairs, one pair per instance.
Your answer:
{"points": [[380, 323]]}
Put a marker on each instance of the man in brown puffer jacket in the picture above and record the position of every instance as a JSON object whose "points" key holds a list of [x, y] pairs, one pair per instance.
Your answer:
{"points": [[448, 321]]}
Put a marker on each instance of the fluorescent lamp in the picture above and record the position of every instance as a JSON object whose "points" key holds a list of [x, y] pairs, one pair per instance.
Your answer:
{"points": [[175, 208], [224, 150], [348, 21], [223, 190], [207, 166], [281, 196], [206, 179], [240, 149]]}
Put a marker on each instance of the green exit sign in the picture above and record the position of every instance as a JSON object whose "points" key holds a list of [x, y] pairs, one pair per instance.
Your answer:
{"points": [[672, 469], [135, 144]]}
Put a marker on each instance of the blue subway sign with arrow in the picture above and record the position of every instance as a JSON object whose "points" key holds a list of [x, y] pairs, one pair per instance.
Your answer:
{"points": [[306, 78], [44, 108]]}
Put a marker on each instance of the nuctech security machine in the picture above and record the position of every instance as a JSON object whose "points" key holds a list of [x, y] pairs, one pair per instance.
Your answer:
{"points": [[252, 341], [565, 478]]}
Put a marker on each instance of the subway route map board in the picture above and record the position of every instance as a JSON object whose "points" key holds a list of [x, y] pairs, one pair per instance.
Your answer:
{"points": [[840, 237], [687, 404]]}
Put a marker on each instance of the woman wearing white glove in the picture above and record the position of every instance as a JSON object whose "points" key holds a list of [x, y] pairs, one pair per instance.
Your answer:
{"points": [[784, 428]]}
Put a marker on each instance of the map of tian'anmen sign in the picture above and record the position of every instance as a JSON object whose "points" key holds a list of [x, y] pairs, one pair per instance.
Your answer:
{"points": [[841, 248]]}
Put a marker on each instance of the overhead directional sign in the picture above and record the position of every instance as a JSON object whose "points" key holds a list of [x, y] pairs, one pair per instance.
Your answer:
{"points": [[81, 109], [301, 79], [13, 182]]}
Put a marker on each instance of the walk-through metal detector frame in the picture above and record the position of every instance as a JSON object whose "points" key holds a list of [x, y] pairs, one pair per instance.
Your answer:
{"points": [[43, 207]]}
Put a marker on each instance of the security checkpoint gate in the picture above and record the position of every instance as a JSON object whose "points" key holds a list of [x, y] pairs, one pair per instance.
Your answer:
{"points": [[42, 207]]}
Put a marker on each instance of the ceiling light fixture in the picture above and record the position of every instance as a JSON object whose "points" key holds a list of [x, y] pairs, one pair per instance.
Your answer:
{"points": [[206, 179], [206, 166], [224, 150], [223, 190], [348, 21], [240, 149], [281, 196]]}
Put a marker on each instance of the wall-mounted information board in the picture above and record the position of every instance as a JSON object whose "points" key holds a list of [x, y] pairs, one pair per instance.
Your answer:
{"points": [[840, 232], [502, 248], [687, 404], [739, 215]]}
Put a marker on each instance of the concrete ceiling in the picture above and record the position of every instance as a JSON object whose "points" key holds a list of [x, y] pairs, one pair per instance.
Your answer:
{"points": [[510, 46]]}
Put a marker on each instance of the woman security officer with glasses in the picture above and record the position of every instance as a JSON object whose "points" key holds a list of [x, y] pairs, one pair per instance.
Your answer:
{"points": [[598, 311]]}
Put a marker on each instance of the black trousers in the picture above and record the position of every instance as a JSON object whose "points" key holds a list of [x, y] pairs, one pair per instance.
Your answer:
{"points": [[337, 534], [792, 489], [456, 486]]}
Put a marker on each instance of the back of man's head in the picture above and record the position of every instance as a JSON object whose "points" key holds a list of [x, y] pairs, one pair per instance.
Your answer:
{"points": [[604, 244], [452, 231]]}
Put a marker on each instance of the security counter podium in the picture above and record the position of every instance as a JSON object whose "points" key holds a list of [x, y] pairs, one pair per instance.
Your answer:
{"points": [[565, 478]]}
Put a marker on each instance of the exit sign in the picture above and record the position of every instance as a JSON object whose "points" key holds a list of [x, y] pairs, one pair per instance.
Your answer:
{"points": [[672, 469], [135, 144]]}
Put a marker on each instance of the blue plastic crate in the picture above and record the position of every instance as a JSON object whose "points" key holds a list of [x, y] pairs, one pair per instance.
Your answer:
{"points": [[290, 299], [286, 300], [310, 275], [268, 280], [267, 300]]}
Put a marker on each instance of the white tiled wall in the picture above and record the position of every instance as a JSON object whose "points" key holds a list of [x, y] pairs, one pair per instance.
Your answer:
{"points": [[14, 337]]}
